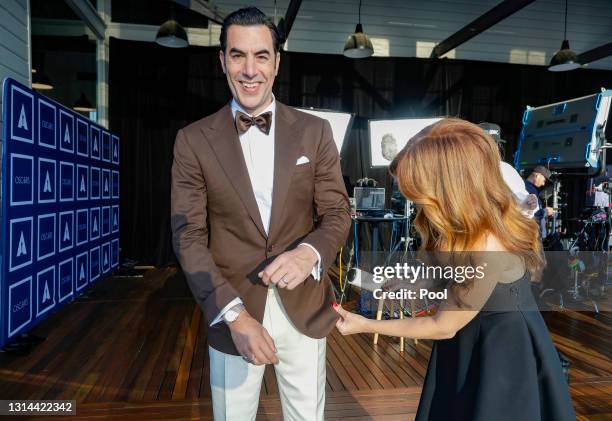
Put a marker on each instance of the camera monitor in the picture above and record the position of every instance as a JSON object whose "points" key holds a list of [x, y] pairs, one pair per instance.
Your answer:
{"points": [[369, 198]]}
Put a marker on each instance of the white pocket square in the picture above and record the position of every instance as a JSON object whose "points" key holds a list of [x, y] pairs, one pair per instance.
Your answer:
{"points": [[302, 160]]}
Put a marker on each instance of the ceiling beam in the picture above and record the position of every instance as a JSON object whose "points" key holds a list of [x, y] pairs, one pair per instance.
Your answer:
{"points": [[595, 54], [286, 24], [89, 15], [205, 8], [479, 25]]}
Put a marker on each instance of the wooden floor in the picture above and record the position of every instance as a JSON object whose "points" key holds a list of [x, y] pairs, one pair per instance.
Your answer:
{"points": [[135, 348]]}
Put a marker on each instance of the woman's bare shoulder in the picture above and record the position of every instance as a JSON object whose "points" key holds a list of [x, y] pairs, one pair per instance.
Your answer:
{"points": [[502, 265], [489, 242]]}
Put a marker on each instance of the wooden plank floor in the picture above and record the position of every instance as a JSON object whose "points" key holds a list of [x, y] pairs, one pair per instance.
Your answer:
{"points": [[135, 348]]}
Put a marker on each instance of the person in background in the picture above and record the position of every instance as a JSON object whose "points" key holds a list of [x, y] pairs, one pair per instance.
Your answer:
{"points": [[537, 179], [526, 201], [494, 131]]}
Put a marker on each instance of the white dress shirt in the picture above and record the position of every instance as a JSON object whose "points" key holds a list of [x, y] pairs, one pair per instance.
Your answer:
{"points": [[517, 186], [258, 151]]}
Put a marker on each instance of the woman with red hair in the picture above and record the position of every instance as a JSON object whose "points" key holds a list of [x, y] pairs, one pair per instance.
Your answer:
{"points": [[492, 358]]}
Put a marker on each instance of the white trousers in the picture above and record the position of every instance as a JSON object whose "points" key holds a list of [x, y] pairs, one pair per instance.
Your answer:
{"points": [[300, 373]]}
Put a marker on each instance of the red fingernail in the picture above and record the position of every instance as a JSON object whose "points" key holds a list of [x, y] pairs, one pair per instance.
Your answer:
{"points": [[335, 304]]}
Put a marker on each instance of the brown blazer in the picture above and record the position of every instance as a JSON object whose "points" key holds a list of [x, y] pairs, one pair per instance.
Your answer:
{"points": [[218, 235]]}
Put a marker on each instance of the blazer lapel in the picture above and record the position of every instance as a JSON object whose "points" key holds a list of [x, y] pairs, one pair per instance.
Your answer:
{"points": [[286, 153], [225, 143]]}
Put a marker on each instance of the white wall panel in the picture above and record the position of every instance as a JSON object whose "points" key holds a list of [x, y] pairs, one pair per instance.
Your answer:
{"points": [[14, 42]]}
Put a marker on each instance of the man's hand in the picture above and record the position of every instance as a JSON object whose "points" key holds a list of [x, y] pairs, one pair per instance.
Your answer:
{"points": [[290, 268], [550, 211], [530, 203], [252, 340]]}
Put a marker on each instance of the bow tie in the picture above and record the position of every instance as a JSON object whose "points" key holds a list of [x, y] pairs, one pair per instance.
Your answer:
{"points": [[262, 121]]}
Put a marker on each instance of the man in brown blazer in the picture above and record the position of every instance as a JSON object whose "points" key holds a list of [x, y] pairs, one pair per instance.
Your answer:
{"points": [[259, 211]]}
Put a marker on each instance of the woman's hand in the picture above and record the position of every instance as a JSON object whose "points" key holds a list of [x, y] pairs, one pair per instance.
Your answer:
{"points": [[349, 323]]}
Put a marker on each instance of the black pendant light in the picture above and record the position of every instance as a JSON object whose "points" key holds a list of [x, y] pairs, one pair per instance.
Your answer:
{"points": [[41, 81], [565, 59], [172, 34], [358, 45], [82, 104]]}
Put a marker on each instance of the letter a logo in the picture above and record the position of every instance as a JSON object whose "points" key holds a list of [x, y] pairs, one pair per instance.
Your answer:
{"points": [[23, 122], [82, 273], [115, 152], [46, 295], [47, 187], [106, 185], [82, 188], [66, 233], [95, 227], [115, 220], [66, 135], [105, 259], [95, 145], [21, 249]]}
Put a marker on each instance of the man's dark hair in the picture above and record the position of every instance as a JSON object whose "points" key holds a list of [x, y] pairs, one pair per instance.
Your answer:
{"points": [[249, 16]]}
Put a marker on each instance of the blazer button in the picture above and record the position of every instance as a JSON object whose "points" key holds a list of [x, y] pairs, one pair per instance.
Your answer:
{"points": [[271, 248]]}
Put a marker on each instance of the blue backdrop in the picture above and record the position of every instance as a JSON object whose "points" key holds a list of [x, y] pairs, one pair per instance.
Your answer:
{"points": [[60, 207]]}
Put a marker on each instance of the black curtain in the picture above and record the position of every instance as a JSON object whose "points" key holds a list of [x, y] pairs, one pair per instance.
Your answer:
{"points": [[154, 91]]}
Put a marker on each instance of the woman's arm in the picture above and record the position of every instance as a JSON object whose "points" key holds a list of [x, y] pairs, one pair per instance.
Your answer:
{"points": [[443, 325], [449, 319]]}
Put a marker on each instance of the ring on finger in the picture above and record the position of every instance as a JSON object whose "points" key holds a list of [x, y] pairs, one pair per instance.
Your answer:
{"points": [[284, 281]]}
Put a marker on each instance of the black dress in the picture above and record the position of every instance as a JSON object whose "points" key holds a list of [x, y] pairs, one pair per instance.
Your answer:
{"points": [[501, 366]]}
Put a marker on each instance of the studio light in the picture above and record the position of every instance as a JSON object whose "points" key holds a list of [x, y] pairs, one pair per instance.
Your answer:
{"points": [[358, 45], [565, 59], [172, 34]]}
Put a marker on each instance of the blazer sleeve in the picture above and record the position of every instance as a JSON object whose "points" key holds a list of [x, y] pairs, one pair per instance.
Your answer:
{"points": [[330, 201], [210, 289]]}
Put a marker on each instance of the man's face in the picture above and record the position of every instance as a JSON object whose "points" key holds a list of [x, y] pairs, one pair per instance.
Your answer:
{"points": [[389, 148], [250, 65], [540, 180]]}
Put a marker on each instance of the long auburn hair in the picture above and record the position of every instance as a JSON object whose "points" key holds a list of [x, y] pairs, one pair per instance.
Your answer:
{"points": [[451, 171]]}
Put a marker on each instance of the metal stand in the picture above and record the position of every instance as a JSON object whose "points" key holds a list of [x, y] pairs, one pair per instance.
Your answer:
{"points": [[574, 291], [346, 277]]}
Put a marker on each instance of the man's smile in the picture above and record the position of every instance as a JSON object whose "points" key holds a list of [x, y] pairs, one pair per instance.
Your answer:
{"points": [[250, 87]]}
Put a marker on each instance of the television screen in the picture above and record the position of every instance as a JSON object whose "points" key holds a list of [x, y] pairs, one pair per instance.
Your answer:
{"points": [[388, 137]]}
